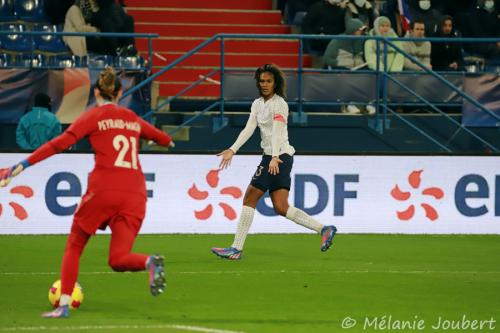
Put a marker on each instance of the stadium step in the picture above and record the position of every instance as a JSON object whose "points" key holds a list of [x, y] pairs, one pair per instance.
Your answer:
{"points": [[183, 25], [233, 60], [207, 4], [207, 30], [201, 90], [205, 16], [185, 44]]}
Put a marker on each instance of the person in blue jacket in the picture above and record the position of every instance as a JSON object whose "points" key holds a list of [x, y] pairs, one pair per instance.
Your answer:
{"points": [[38, 125]]}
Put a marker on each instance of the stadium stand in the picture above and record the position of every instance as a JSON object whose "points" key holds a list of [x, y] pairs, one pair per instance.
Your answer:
{"points": [[182, 25]]}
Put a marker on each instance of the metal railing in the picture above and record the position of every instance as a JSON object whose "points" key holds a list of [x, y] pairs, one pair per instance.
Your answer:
{"points": [[149, 36], [381, 86]]}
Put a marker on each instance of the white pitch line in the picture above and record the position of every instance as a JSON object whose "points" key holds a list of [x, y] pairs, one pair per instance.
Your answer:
{"points": [[116, 327], [270, 272]]}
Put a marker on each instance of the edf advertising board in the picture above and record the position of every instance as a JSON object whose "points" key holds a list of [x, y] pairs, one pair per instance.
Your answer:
{"points": [[188, 194]]}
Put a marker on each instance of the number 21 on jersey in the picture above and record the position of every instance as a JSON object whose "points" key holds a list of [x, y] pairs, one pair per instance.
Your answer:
{"points": [[123, 145]]}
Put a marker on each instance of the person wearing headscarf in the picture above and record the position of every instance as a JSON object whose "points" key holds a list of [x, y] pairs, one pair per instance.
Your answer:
{"points": [[395, 60]]}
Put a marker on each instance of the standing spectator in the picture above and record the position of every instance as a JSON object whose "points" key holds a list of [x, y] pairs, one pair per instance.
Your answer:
{"points": [[344, 53], [425, 11], [324, 18], [483, 22], [420, 50], [39, 125], [446, 56], [363, 10], [395, 60]]}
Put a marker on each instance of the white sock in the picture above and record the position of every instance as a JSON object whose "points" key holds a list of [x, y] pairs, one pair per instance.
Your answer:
{"points": [[64, 300], [300, 217], [244, 224]]}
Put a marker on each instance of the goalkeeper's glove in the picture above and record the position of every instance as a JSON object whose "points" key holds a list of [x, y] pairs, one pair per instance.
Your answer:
{"points": [[6, 174]]}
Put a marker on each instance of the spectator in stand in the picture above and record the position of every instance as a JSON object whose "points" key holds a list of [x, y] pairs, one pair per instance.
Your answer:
{"points": [[343, 53], [390, 9], [420, 50], [348, 54], [395, 60], [483, 22], [363, 10], [75, 22], [446, 56], [111, 17], [39, 125], [325, 17], [425, 11]]}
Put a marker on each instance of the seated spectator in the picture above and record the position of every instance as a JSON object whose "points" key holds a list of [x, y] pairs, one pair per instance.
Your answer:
{"points": [[38, 125], [348, 54], [425, 11], [446, 56], [325, 17], [363, 10], [75, 22], [419, 50], [395, 60], [111, 17], [343, 53]]}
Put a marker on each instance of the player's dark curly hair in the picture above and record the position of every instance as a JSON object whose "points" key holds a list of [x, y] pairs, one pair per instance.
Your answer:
{"points": [[108, 83], [279, 78]]}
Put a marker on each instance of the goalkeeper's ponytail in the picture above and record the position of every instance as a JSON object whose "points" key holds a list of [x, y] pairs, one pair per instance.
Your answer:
{"points": [[108, 83]]}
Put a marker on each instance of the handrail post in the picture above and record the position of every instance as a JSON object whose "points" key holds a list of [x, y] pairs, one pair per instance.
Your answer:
{"points": [[375, 122], [384, 87], [301, 117], [150, 54], [222, 72], [221, 121]]}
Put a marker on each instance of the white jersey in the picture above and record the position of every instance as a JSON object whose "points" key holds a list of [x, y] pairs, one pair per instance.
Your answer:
{"points": [[262, 114]]}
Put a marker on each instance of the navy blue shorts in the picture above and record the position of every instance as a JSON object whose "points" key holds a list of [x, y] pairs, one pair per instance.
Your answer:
{"points": [[264, 181]]}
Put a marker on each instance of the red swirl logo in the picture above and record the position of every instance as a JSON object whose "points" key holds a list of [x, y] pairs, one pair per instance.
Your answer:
{"points": [[212, 179], [19, 211], [414, 179]]}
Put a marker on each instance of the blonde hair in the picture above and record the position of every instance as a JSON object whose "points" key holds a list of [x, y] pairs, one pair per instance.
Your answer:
{"points": [[108, 83]]}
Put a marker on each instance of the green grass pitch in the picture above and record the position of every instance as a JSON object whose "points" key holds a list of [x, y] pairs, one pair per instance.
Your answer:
{"points": [[282, 284]]}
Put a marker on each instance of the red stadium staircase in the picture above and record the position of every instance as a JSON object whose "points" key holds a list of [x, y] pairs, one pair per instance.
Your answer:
{"points": [[184, 24]]}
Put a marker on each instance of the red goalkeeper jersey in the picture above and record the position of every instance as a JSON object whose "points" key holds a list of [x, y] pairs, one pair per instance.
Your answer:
{"points": [[114, 134]]}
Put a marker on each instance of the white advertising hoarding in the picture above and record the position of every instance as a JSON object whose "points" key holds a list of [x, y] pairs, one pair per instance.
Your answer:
{"points": [[359, 194]]}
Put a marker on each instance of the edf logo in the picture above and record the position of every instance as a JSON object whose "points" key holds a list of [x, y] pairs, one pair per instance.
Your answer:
{"points": [[340, 194], [471, 195], [67, 184]]}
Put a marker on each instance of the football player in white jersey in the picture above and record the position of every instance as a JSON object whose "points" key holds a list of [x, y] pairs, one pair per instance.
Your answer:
{"points": [[269, 113]]}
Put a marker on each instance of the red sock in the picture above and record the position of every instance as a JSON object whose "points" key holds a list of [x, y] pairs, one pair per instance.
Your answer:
{"points": [[75, 244], [123, 235]]}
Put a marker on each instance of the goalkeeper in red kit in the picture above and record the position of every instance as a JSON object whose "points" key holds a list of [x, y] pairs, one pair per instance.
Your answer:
{"points": [[116, 192]]}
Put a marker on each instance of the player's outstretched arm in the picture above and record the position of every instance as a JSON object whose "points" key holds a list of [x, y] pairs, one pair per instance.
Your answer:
{"points": [[6, 174]]}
